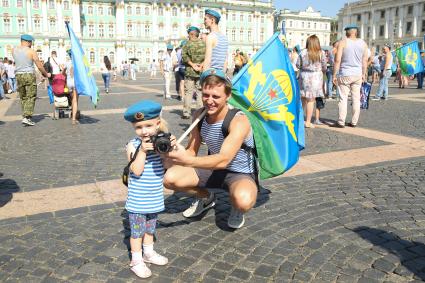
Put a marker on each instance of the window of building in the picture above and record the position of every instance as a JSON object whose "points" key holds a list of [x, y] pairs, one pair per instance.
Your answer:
{"points": [[37, 25], [110, 11], [91, 30], [161, 30], [290, 24], [382, 14], [408, 27], [52, 25], [147, 30], [396, 12], [188, 13], [138, 11], [241, 18], [5, 3], [410, 10], [315, 25], [233, 35], [423, 25], [92, 57], [249, 35], [101, 31], [262, 35], [129, 10], [36, 4], [130, 29], [111, 31], [139, 30], [308, 25], [148, 56], [175, 29], [66, 5], [249, 18], [160, 11], [234, 17], [100, 11], [302, 24], [201, 14], [21, 25], [112, 57], [19, 3], [147, 11], [381, 30], [6, 24], [359, 17], [90, 10], [51, 4], [241, 35], [174, 12], [262, 19]]}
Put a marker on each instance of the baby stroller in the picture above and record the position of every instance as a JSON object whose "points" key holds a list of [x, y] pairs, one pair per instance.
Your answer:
{"points": [[60, 97]]}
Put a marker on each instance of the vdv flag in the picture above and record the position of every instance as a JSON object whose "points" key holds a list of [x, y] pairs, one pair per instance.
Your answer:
{"points": [[409, 59], [85, 83], [266, 90]]}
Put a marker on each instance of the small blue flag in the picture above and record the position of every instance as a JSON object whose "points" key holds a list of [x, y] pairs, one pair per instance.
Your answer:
{"points": [[409, 59], [85, 84]]}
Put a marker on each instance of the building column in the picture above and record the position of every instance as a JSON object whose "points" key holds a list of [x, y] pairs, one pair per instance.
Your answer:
{"points": [[168, 31], [44, 16], [29, 19], [195, 13], [59, 9], [76, 24], [387, 24], [400, 21], [154, 21], [269, 30], [255, 29], [415, 19], [182, 21], [223, 21], [120, 31]]}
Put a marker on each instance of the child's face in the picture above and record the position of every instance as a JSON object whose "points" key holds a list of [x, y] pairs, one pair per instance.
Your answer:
{"points": [[145, 129]]}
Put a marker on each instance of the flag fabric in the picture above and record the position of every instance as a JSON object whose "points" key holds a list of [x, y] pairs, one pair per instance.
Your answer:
{"points": [[50, 94], [364, 95], [394, 64], [409, 59], [266, 90], [85, 83]]}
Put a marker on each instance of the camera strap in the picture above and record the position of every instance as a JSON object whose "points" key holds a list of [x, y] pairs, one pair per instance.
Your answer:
{"points": [[133, 156]]}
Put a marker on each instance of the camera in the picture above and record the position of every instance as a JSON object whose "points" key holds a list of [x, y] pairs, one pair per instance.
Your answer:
{"points": [[161, 142]]}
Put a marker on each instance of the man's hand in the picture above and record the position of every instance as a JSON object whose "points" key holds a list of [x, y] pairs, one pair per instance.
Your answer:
{"points": [[179, 155], [334, 80], [197, 67], [49, 75]]}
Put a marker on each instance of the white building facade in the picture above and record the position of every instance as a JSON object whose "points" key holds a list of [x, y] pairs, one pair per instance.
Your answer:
{"points": [[126, 29], [385, 21], [302, 24]]}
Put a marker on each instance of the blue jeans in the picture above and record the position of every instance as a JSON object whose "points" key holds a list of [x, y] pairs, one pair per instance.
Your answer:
{"points": [[1, 89], [383, 85], [106, 79], [12, 84], [329, 82], [421, 79]]}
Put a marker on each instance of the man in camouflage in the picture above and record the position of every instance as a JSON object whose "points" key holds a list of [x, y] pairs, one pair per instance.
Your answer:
{"points": [[193, 55], [25, 57]]}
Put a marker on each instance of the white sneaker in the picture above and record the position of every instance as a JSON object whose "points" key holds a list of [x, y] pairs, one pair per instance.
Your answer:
{"points": [[140, 269], [236, 219], [155, 258], [27, 122], [199, 206]]}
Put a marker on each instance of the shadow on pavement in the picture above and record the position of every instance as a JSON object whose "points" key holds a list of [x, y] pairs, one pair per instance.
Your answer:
{"points": [[87, 120], [38, 118], [7, 188], [411, 253], [2, 123]]}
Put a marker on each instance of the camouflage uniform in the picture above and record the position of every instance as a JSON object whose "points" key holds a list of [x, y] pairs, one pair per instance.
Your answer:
{"points": [[193, 51], [27, 89]]}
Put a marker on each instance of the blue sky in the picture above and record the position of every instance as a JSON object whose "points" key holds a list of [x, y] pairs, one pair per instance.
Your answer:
{"points": [[327, 7]]}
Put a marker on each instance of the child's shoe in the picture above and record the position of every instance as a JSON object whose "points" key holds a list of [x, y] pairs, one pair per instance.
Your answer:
{"points": [[155, 258], [140, 269]]}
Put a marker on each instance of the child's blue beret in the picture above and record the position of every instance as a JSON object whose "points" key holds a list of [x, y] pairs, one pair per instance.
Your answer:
{"points": [[142, 111]]}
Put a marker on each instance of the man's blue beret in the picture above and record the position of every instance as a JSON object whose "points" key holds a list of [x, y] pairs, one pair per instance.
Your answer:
{"points": [[214, 72], [351, 26], [142, 111], [213, 13], [27, 37], [170, 46], [192, 28]]}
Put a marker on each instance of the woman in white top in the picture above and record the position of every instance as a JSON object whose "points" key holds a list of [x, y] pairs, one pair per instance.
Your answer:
{"points": [[68, 71], [105, 68]]}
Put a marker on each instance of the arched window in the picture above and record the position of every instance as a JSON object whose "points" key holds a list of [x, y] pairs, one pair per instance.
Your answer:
{"points": [[110, 11], [139, 30], [90, 10], [51, 4], [130, 54], [174, 12], [66, 5], [241, 35], [139, 54], [21, 25], [101, 31], [262, 35], [111, 30], [129, 10], [37, 24], [92, 57], [100, 11], [234, 17], [249, 18], [112, 57], [138, 11], [52, 25], [5, 3], [188, 12], [161, 29], [130, 29], [147, 30], [91, 30], [160, 11], [249, 35], [148, 55], [241, 18], [175, 29], [147, 11], [36, 4], [6, 24], [233, 35]]}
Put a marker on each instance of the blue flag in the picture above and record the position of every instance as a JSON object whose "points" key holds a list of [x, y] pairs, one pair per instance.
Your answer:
{"points": [[409, 59], [266, 90], [85, 84]]}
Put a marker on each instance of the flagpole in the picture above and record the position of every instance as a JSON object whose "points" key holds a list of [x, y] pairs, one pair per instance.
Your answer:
{"points": [[192, 126]]}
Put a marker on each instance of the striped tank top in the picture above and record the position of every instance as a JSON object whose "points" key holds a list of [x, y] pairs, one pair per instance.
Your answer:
{"points": [[213, 137], [219, 52], [146, 192]]}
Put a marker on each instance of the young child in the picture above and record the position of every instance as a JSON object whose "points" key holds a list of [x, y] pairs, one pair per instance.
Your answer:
{"points": [[145, 188]]}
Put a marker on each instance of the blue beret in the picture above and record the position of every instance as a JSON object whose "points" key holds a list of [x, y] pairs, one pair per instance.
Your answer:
{"points": [[351, 26], [170, 46], [142, 111], [214, 72], [183, 42], [422, 51], [27, 37], [298, 48], [192, 28], [213, 13]]}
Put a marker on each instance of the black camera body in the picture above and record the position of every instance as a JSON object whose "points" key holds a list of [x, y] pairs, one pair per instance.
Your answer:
{"points": [[161, 142]]}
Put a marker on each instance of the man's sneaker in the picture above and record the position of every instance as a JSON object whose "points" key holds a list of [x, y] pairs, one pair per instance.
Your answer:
{"points": [[140, 269], [199, 206], [155, 258], [236, 219], [376, 98], [28, 122]]}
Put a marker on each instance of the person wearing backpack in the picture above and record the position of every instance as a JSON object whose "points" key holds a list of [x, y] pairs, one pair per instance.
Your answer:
{"points": [[231, 161]]}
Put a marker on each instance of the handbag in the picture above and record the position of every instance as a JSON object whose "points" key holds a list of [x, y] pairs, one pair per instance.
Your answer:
{"points": [[126, 170], [320, 104], [61, 101]]}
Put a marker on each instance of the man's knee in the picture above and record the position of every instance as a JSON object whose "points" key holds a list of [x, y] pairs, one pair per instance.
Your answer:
{"points": [[244, 199]]}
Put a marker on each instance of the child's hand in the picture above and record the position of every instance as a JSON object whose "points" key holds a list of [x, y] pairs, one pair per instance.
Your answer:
{"points": [[173, 141], [147, 145]]}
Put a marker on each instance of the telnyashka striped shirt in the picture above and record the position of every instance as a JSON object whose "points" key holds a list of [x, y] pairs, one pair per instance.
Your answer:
{"points": [[213, 137], [146, 192], [219, 52]]}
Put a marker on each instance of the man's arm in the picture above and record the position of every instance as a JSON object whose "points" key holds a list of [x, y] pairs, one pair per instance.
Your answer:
{"points": [[208, 51], [338, 56], [161, 66], [38, 64], [364, 63]]}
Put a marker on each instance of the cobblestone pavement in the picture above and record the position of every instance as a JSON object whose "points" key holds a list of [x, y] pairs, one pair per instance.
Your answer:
{"points": [[362, 224], [353, 226]]}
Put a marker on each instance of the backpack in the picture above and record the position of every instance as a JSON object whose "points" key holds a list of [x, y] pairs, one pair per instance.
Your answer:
{"points": [[58, 84], [47, 66], [225, 131]]}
